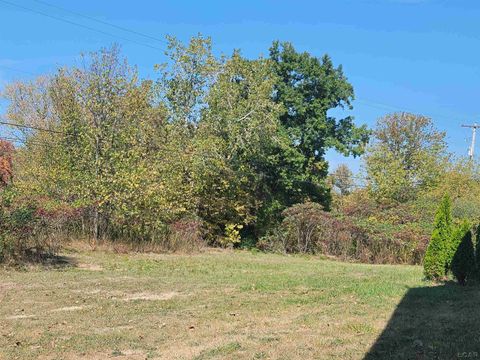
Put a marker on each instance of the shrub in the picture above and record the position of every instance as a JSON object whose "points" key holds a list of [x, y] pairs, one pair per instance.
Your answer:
{"points": [[477, 252], [17, 226], [185, 235], [396, 233], [307, 228], [29, 231], [458, 233], [6, 165], [232, 235], [463, 262], [301, 224], [358, 204], [393, 245], [436, 255]]}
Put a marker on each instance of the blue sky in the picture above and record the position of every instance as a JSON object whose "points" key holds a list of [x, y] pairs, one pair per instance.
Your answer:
{"points": [[414, 55]]}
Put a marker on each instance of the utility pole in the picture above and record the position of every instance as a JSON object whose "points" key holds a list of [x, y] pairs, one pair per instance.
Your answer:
{"points": [[474, 134]]}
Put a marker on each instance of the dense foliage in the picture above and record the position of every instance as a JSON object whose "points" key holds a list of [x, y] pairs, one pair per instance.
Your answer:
{"points": [[6, 171], [308, 88], [477, 252], [436, 256], [226, 151], [213, 149], [463, 262], [405, 157], [458, 234], [309, 228], [398, 222]]}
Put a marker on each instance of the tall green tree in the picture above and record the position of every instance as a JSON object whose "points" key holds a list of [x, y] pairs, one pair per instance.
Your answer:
{"points": [[118, 155], [434, 262], [308, 87], [231, 140], [187, 77], [235, 142], [100, 114]]}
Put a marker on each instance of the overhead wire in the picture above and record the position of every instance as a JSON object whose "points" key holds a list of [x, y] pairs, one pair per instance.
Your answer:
{"points": [[17, 70], [122, 28], [78, 24], [29, 127], [24, 141], [383, 106]]}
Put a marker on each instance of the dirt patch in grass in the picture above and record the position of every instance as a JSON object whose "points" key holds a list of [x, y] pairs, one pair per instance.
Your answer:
{"points": [[22, 316], [114, 354], [69, 308], [150, 296], [90, 267]]}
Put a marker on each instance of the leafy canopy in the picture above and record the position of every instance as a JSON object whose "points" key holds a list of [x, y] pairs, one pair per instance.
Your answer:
{"points": [[406, 156], [308, 87]]}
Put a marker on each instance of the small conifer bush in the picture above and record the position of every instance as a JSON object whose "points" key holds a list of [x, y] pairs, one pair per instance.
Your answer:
{"points": [[477, 253], [435, 260], [458, 232], [463, 262]]}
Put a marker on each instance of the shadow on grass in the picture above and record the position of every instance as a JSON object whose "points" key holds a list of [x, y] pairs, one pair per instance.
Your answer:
{"points": [[438, 322], [45, 259]]}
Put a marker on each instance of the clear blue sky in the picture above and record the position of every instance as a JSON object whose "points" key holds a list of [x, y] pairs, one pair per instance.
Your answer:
{"points": [[414, 55]]}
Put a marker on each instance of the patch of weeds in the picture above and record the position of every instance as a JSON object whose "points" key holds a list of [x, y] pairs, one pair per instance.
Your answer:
{"points": [[337, 342], [219, 351], [151, 354], [269, 339], [310, 318], [260, 355], [360, 328]]}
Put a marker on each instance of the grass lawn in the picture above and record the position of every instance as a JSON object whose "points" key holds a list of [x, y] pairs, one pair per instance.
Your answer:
{"points": [[232, 305]]}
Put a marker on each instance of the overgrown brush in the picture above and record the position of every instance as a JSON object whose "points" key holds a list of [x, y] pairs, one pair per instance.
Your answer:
{"points": [[307, 228], [31, 232]]}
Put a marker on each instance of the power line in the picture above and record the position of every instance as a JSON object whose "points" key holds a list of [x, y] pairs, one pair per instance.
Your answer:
{"points": [[78, 24], [103, 22], [29, 127], [17, 70], [8, 138], [383, 106], [14, 140]]}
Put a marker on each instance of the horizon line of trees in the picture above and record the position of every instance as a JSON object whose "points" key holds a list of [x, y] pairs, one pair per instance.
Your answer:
{"points": [[224, 150], [225, 141]]}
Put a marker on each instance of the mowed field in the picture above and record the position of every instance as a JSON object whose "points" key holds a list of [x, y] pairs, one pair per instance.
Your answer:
{"points": [[231, 305]]}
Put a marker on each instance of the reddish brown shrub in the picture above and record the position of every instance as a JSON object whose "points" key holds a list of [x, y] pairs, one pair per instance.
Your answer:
{"points": [[185, 235], [29, 230], [6, 154]]}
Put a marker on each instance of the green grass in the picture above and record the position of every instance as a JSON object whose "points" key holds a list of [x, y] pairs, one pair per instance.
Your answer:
{"points": [[233, 305]]}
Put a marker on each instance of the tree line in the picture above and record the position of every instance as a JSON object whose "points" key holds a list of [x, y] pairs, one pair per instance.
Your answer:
{"points": [[220, 150], [224, 142]]}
